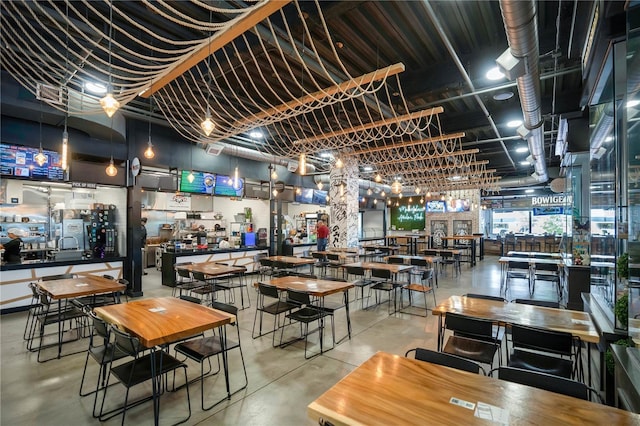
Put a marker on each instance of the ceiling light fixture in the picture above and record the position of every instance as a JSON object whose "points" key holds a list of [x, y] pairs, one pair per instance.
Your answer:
{"points": [[320, 185], [65, 145], [494, 74], [514, 123], [375, 201], [378, 178], [302, 167], [148, 153], [110, 104], [396, 187], [207, 124], [40, 157], [256, 134], [274, 173], [369, 191], [633, 103], [522, 149], [383, 194], [339, 163]]}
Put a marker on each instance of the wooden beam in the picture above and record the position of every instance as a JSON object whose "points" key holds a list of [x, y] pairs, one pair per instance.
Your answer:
{"points": [[428, 157], [392, 120], [321, 94], [409, 143], [216, 42]]}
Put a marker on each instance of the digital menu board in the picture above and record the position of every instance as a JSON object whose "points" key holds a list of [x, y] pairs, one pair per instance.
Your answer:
{"points": [[227, 186], [203, 182], [19, 161]]}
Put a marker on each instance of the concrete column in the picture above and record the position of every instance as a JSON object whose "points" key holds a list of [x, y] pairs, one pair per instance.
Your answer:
{"points": [[343, 199]]}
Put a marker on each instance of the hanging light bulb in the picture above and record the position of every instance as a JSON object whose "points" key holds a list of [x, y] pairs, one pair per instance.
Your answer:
{"points": [[442, 198], [400, 195], [207, 124], [428, 194], [378, 178], [397, 203], [383, 194], [111, 169], [148, 153], [109, 104], [191, 177], [375, 201], [274, 192], [320, 185], [339, 163], [421, 200], [40, 158], [369, 191], [236, 179], [364, 200], [396, 187], [417, 189], [274, 174], [389, 202], [298, 190], [302, 167], [410, 199], [65, 148]]}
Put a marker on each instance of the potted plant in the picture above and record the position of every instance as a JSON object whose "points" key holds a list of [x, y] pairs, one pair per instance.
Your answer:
{"points": [[622, 266], [621, 309], [608, 355]]}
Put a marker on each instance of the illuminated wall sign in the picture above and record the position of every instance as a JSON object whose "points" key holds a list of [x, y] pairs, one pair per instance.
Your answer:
{"points": [[551, 200]]}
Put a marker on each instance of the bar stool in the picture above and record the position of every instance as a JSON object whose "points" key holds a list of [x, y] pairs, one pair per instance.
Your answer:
{"points": [[532, 244]]}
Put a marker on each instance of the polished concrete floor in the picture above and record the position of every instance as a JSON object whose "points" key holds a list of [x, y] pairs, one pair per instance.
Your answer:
{"points": [[281, 382]]}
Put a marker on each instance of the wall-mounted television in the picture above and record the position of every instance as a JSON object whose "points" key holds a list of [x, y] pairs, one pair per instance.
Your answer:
{"points": [[458, 206], [19, 161], [227, 186], [436, 206], [203, 182], [319, 197], [305, 196]]}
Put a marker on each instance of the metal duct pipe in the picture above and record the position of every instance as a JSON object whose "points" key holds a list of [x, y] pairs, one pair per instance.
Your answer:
{"points": [[252, 154], [362, 183], [522, 34]]}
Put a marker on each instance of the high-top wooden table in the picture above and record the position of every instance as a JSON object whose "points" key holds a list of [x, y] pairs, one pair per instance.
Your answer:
{"points": [[472, 244], [216, 270], [69, 288], [532, 261], [316, 288], [393, 390], [160, 321], [429, 259], [393, 267], [293, 262]]}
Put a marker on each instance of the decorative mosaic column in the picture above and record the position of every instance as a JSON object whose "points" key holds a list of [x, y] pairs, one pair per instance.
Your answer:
{"points": [[343, 199]]}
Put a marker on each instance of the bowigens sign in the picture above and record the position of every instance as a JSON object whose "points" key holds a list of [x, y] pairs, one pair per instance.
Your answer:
{"points": [[551, 200]]}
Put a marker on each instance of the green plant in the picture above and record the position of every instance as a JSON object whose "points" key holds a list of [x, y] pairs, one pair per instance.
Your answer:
{"points": [[621, 309], [622, 266], [608, 355]]}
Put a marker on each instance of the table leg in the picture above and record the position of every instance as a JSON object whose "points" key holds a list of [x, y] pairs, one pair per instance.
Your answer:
{"points": [[59, 329], [440, 337], [225, 358], [346, 306], [155, 383]]}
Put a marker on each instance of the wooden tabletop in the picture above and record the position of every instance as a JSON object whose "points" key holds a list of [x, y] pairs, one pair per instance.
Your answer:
{"points": [[531, 260], [577, 323], [375, 247], [318, 288], [292, 260], [344, 249], [393, 267], [534, 254], [163, 320], [341, 254], [393, 390], [82, 286], [443, 250], [213, 269], [462, 237]]}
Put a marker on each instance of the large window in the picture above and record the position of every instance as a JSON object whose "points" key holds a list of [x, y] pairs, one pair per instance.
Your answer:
{"points": [[527, 222], [512, 221]]}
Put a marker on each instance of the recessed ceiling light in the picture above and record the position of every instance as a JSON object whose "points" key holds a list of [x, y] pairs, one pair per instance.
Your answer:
{"points": [[503, 96], [525, 163], [528, 191], [326, 155], [95, 88], [522, 149], [494, 74], [256, 134], [514, 123], [608, 139], [632, 103]]}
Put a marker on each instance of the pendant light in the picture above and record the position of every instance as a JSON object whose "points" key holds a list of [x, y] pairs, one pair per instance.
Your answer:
{"points": [[320, 185], [40, 158], [302, 167], [274, 173], [148, 153], [378, 178], [207, 124], [190, 177], [111, 169], [236, 179], [339, 163], [396, 187], [110, 104], [65, 135], [65, 145]]}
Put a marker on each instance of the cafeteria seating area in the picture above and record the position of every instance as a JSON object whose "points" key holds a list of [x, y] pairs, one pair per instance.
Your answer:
{"points": [[281, 382]]}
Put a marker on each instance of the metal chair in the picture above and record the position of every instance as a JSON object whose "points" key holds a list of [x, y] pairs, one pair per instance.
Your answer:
{"points": [[518, 270], [321, 262], [547, 272], [360, 281], [446, 360], [381, 279], [306, 314], [201, 350], [334, 263], [474, 338], [185, 281], [275, 308], [423, 288], [543, 303]]}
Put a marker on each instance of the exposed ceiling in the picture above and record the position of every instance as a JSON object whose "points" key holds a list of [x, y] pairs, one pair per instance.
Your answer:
{"points": [[257, 81]]}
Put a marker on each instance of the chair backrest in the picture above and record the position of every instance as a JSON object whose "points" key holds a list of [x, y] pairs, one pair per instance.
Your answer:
{"points": [[125, 342], [100, 327], [266, 262], [317, 255], [191, 299], [546, 267], [514, 264], [418, 262], [427, 274], [381, 273], [544, 381], [519, 255], [485, 297], [469, 326], [355, 270], [230, 309], [538, 339], [184, 273], [333, 256], [199, 276], [448, 360], [109, 277], [431, 252], [298, 297], [268, 290], [183, 263], [34, 290], [395, 260], [57, 277], [544, 303]]}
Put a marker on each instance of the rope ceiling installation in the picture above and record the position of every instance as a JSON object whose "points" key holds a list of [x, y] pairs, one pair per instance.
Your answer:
{"points": [[252, 66]]}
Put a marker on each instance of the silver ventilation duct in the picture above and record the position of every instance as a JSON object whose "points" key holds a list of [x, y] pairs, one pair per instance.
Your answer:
{"points": [[522, 34], [362, 183], [251, 154]]}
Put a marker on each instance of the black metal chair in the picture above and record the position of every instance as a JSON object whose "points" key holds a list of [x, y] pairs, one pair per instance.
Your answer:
{"points": [[185, 281], [546, 382], [518, 270], [201, 350], [266, 267], [138, 371], [334, 263], [545, 351], [547, 272], [102, 351], [419, 267], [446, 360], [485, 297], [276, 307], [307, 313], [382, 281], [321, 262], [543, 303], [474, 338], [359, 281], [233, 281]]}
